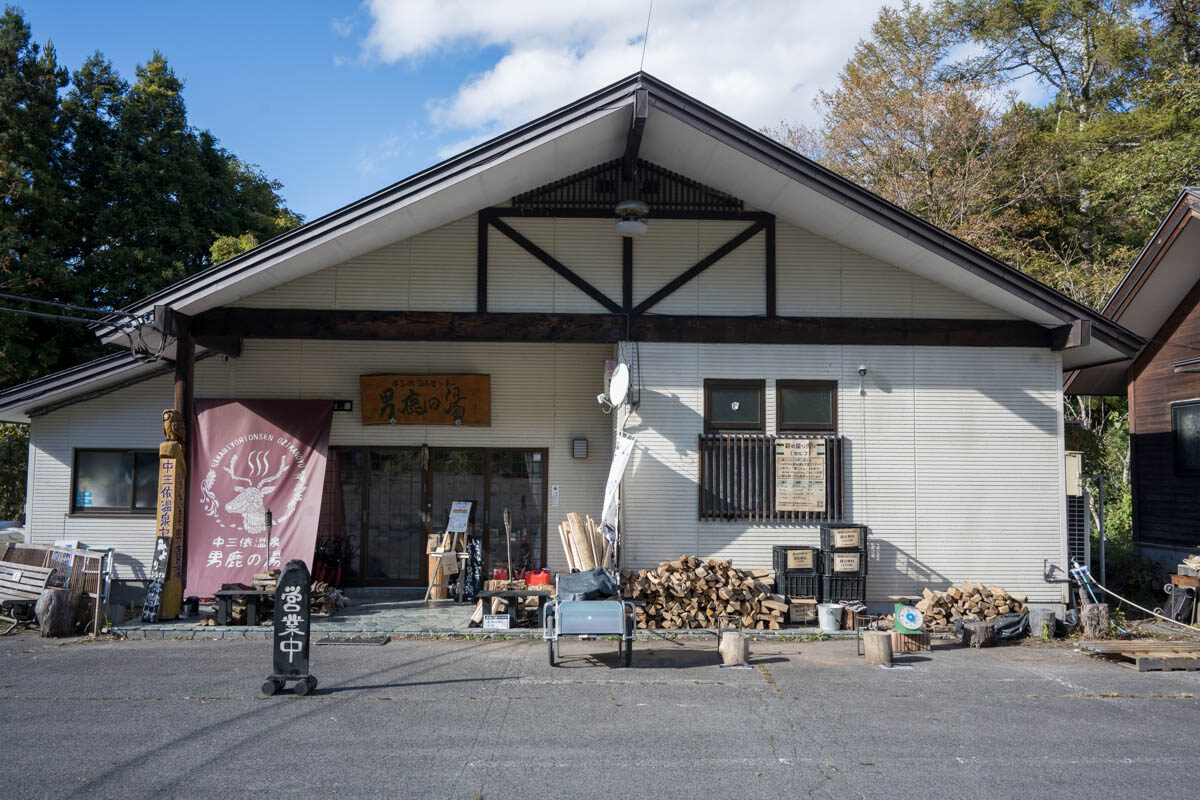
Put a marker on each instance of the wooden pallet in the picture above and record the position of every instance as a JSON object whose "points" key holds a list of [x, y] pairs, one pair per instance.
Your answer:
{"points": [[1147, 656]]}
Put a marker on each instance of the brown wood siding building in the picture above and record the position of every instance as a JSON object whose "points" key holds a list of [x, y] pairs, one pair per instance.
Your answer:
{"points": [[1166, 500]]}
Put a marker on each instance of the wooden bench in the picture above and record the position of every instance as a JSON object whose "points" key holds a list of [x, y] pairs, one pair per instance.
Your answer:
{"points": [[20, 587]]}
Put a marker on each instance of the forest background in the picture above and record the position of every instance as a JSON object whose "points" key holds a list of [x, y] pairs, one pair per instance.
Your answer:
{"points": [[109, 194]]}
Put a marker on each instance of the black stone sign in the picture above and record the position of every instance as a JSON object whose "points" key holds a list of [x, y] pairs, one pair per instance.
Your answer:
{"points": [[158, 573], [290, 645], [473, 579]]}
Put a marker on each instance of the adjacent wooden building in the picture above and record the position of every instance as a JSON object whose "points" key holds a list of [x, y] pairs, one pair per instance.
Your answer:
{"points": [[1159, 299], [767, 298]]}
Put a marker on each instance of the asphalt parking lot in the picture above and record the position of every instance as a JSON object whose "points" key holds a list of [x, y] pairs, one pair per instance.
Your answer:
{"points": [[491, 719]]}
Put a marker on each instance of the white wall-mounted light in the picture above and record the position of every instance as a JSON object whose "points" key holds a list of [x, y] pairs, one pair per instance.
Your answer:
{"points": [[632, 227], [631, 217]]}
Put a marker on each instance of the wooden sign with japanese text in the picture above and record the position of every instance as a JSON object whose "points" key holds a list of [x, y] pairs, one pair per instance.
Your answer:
{"points": [[426, 399], [152, 605], [165, 593], [799, 475]]}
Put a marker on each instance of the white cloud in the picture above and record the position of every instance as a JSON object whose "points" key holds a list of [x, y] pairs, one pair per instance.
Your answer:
{"points": [[760, 61], [382, 153]]}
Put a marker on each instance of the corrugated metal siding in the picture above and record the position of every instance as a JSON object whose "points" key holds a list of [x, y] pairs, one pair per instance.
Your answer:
{"points": [[516, 280], [543, 395], [670, 247], [380, 280], [443, 268], [735, 285], [591, 249], [953, 460], [435, 271], [817, 277], [988, 466], [808, 273]]}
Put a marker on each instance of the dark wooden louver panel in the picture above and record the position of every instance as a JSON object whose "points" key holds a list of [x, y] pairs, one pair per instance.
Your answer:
{"points": [[602, 187], [737, 479]]}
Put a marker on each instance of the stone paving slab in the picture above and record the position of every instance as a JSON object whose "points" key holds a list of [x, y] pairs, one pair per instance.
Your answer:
{"points": [[397, 614]]}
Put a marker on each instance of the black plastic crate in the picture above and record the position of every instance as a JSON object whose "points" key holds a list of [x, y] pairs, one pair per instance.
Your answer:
{"points": [[779, 559], [829, 534], [835, 589], [791, 584], [832, 560]]}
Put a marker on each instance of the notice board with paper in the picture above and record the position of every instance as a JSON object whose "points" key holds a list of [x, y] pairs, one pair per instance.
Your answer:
{"points": [[800, 475]]}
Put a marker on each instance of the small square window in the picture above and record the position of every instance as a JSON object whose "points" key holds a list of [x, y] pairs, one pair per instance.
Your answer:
{"points": [[806, 405], [734, 406], [1185, 423]]}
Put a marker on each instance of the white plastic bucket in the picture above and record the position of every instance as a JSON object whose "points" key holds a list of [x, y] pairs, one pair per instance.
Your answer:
{"points": [[829, 617]]}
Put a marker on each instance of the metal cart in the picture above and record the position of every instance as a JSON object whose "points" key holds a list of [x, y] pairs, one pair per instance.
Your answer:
{"points": [[588, 619]]}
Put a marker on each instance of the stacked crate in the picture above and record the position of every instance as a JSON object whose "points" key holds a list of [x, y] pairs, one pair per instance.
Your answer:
{"points": [[844, 563], [797, 570]]}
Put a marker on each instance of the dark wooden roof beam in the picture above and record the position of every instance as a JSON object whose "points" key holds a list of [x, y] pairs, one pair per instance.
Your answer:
{"points": [[292, 323], [633, 140], [1076, 333]]}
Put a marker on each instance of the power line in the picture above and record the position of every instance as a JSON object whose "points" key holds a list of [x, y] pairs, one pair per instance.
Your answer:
{"points": [[43, 315], [35, 301], [646, 37]]}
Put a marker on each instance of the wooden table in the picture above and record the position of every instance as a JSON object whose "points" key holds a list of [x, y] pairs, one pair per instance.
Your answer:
{"points": [[225, 599], [513, 594]]}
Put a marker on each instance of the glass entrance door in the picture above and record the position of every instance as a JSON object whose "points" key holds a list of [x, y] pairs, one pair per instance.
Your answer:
{"points": [[517, 482], [395, 541], [380, 503]]}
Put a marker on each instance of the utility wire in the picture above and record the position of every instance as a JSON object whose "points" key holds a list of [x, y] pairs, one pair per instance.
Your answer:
{"points": [[646, 37], [43, 315], [35, 301]]}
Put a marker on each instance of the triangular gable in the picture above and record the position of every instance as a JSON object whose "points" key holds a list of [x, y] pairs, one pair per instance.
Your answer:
{"points": [[681, 135]]}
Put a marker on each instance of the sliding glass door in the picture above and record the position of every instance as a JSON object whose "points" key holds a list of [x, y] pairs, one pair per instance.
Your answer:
{"points": [[395, 537], [381, 503]]}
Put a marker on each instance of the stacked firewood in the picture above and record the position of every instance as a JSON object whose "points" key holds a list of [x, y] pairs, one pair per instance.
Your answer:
{"points": [[265, 581], [971, 602], [695, 593], [583, 543], [324, 600]]}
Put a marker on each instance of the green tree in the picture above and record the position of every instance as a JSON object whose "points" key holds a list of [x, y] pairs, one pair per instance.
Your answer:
{"points": [[1089, 51], [110, 194], [14, 449], [1177, 40], [31, 139], [904, 124]]}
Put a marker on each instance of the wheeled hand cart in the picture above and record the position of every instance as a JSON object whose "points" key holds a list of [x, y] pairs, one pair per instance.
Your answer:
{"points": [[589, 618]]}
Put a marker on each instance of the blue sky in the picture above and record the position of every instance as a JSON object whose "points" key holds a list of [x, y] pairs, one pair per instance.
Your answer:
{"points": [[338, 99], [263, 78]]}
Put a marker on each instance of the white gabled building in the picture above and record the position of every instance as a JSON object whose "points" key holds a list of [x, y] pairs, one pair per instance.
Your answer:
{"points": [[763, 279]]}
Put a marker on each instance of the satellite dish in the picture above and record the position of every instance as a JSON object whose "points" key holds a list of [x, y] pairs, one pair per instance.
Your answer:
{"points": [[910, 618], [618, 385]]}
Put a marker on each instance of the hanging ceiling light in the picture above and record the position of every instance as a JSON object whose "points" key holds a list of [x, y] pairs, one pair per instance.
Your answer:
{"points": [[631, 217]]}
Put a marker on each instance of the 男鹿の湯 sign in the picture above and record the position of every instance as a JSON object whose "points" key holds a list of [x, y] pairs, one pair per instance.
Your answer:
{"points": [[426, 399]]}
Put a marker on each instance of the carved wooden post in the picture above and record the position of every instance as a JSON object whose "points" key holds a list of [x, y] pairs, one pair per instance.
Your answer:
{"points": [[165, 595]]}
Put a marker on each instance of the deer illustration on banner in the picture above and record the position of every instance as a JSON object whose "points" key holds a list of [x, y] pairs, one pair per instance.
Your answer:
{"points": [[248, 455]]}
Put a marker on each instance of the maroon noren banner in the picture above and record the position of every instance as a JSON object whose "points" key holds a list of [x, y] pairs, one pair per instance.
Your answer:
{"points": [[250, 456]]}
